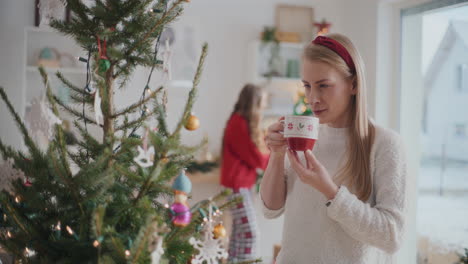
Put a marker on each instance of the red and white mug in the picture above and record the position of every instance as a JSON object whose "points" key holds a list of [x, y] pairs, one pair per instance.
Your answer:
{"points": [[301, 132]]}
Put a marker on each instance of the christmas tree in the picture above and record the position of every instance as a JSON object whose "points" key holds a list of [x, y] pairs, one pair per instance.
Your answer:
{"points": [[111, 200]]}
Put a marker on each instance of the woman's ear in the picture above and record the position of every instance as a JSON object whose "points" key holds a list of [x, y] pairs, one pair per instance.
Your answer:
{"points": [[354, 85]]}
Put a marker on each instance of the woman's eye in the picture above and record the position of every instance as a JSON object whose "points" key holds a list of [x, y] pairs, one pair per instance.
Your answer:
{"points": [[323, 86]]}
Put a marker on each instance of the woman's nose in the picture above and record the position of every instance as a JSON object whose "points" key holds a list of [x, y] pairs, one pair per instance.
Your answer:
{"points": [[313, 98]]}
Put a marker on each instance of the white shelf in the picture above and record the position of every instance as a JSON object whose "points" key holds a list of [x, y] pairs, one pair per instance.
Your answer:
{"points": [[65, 70], [259, 55]]}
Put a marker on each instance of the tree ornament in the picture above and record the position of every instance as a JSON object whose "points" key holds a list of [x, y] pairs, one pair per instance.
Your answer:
{"points": [[167, 55], [41, 121], [193, 123], [180, 211], [8, 174], [27, 183], [145, 156], [210, 249], [103, 63], [219, 231]]}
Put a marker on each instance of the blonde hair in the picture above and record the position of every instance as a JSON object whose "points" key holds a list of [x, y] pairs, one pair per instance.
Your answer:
{"points": [[356, 172], [248, 106]]}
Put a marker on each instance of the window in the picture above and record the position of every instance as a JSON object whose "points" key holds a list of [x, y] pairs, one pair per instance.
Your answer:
{"points": [[463, 78]]}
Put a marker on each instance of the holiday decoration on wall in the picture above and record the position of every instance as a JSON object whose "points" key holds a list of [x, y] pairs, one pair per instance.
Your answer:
{"points": [[322, 27]]}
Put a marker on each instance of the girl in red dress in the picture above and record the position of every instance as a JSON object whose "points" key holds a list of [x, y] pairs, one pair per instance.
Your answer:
{"points": [[242, 156]]}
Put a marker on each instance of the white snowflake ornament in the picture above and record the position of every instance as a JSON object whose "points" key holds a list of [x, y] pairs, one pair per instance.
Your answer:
{"points": [[8, 174], [41, 121], [210, 249]]}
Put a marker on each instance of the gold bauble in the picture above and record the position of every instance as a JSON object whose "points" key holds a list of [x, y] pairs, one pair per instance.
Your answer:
{"points": [[219, 231], [192, 123]]}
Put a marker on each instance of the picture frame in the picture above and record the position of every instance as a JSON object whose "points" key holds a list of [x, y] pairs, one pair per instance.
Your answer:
{"points": [[296, 19], [56, 8]]}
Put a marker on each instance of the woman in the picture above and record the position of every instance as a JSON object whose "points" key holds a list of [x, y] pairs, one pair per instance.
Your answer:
{"points": [[344, 201], [242, 156]]}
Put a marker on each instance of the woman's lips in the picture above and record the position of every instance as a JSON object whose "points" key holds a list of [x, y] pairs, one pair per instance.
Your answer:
{"points": [[319, 112]]}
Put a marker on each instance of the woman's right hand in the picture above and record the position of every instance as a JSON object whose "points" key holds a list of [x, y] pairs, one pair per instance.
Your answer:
{"points": [[274, 138]]}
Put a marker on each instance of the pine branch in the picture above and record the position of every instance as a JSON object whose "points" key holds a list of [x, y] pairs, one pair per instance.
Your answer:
{"points": [[141, 242], [75, 112], [70, 85], [138, 104], [91, 143], [6, 151], [67, 180], [34, 151], [135, 123], [161, 117], [162, 21], [193, 92]]}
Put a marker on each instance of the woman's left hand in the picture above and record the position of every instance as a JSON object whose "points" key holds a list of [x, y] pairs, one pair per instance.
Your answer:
{"points": [[315, 174]]}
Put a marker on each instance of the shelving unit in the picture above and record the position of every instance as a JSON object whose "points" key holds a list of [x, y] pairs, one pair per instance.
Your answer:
{"points": [[282, 88], [35, 40]]}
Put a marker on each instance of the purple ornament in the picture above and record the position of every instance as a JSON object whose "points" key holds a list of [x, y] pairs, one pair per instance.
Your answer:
{"points": [[181, 214]]}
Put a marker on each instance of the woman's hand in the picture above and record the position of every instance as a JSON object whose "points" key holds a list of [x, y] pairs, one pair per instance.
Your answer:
{"points": [[314, 174], [274, 138]]}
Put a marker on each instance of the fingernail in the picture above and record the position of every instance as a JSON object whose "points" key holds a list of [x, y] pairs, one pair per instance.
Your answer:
{"points": [[309, 151]]}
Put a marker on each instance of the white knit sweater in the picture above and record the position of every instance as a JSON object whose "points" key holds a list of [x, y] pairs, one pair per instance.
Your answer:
{"points": [[348, 230]]}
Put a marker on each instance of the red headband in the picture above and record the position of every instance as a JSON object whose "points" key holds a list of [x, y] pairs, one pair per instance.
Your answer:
{"points": [[337, 48]]}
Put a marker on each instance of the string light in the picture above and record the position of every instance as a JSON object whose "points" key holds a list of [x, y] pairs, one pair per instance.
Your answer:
{"points": [[82, 59], [17, 199], [70, 231], [148, 90], [166, 205], [96, 243], [127, 253], [9, 234], [154, 10], [58, 227]]}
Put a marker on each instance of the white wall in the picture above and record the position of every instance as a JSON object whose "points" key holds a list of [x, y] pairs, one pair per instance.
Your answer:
{"points": [[14, 15]]}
